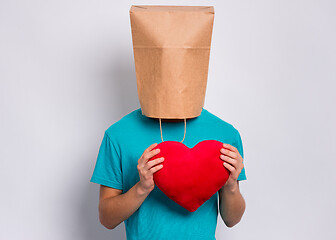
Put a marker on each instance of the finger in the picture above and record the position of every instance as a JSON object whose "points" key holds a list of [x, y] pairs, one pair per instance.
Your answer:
{"points": [[155, 169], [154, 162], [151, 154], [150, 147], [230, 147], [142, 158], [229, 167], [229, 153], [233, 162]]}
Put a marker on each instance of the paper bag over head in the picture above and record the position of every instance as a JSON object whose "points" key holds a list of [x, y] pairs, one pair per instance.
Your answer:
{"points": [[171, 47]]}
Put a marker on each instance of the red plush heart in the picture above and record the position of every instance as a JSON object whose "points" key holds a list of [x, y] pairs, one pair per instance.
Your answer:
{"points": [[190, 176]]}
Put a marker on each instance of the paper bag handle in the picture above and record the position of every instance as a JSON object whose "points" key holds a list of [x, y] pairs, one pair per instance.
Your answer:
{"points": [[185, 129]]}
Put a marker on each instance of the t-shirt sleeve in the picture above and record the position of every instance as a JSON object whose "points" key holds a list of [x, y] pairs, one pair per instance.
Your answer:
{"points": [[108, 171], [239, 145]]}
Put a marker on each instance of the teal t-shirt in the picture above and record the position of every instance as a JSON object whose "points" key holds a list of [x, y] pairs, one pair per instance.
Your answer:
{"points": [[159, 217]]}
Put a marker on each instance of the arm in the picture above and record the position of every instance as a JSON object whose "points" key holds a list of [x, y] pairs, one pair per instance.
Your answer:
{"points": [[115, 207], [231, 205], [231, 202]]}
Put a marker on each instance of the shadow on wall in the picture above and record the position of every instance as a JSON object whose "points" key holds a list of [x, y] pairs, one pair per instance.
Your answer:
{"points": [[118, 84]]}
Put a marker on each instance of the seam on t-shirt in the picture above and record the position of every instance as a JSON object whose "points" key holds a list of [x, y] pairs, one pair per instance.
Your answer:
{"points": [[112, 145], [115, 150]]}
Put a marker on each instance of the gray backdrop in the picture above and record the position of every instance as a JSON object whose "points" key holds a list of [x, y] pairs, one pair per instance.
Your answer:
{"points": [[67, 74]]}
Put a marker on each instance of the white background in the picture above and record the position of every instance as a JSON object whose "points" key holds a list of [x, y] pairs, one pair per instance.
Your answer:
{"points": [[67, 74]]}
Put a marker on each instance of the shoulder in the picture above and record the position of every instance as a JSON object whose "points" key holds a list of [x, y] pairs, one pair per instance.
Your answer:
{"points": [[123, 124], [219, 123]]}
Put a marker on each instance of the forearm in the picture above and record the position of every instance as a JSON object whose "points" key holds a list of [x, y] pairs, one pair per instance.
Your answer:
{"points": [[231, 205], [114, 210]]}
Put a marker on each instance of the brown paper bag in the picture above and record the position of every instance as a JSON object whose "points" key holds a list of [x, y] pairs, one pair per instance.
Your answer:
{"points": [[171, 47]]}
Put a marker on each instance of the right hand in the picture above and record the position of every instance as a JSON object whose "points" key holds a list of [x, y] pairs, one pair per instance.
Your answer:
{"points": [[146, 169]]}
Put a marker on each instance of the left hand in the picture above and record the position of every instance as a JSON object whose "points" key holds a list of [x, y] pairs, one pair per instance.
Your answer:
{"points": [[233, 161]]}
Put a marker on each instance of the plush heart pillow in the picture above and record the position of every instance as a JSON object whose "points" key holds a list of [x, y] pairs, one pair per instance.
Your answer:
{"points": [[190, 176]]}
